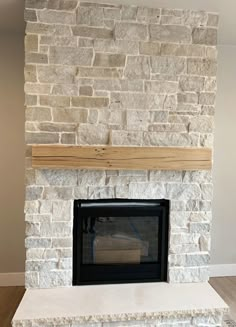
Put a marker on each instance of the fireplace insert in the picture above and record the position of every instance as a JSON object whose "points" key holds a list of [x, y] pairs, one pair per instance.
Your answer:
{"points": [[120, 241]]}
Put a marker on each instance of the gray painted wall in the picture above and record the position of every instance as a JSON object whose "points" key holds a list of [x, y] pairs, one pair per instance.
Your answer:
{"points": [[11, 153], [224, 173]]}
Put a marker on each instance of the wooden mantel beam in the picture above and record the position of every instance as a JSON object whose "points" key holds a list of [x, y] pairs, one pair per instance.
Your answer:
{"points": [[124, 158]]}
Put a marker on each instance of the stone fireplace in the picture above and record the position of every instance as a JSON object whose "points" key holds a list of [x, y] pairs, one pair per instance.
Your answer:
{"points": [[110, 74]]}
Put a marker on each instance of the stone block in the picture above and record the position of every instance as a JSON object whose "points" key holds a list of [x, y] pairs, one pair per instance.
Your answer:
{"points": [[183, 191], [30, 100], [188, 109], [31, 43], [206, 140], [213, 20], [31, 207], [37, 242], [109, 60], [206, 36], [62, 242], [161, 87], [99, 72], [148, 15], [30, 73], [176, 128], [125, 180], [137, 119], [130, 31], [54, 101], [71, 56], [31, 281], [116, 46], [41, 218], [207, 99], [58, 193], [86, 42], [205, 242], [56, 229], [68, 138], [56, 17], [120, 137], [101, 192], [92, 32], [148, 190], [39, 28], [112, 13], [176, 118], [56, 278], [69, 115], [191, 83], [91, 134], [91, 178], [210, 84], [166, 176], [65, 89], [45, 207], [32, 229], [168, 65], [56, 74], [93, 115], [118, 85], [41, 138], [36, 4], [170, 102], [150, 48], [128, 13], [159, 116], [188, 275], [90, 102], [170, 49], [137, 67], [170, 139], [50, 177], [36, 58], [112, 117], [90, 15], [126, 100], [81, 193], [201, 124], [187, 98], [38, 89], [86, 90], [200, 228], [62, 4], [205, 206], [195, 18], [197, 176], [200, 217], [207, 191], [38, 114], [203, 67], [171, 20], [170, 33]]}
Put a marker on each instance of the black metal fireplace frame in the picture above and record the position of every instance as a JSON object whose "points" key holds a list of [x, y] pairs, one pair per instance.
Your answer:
{"points": [[84, 274]]}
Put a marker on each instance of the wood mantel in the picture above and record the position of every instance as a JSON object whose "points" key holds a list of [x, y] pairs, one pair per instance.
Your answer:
{"points": [[125, 158]]}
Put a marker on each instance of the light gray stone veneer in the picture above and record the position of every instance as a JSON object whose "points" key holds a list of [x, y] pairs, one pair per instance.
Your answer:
{"points": [[110, 74]]}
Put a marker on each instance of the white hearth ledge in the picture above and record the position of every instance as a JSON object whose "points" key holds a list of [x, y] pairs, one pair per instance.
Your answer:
{"points": [[125, 302]]}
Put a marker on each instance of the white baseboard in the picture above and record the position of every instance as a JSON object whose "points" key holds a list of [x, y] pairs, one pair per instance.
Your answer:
{"points": [[12, 279], [222, 270]]}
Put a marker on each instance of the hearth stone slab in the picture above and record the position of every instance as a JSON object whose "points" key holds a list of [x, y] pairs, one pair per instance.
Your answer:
{"points": [[149, 304]]}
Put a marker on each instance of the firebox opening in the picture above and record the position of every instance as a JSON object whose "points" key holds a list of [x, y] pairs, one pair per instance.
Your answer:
{"points": [[120, 241]]}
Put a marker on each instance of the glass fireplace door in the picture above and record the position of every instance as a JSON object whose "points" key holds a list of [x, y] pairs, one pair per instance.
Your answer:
{"points": [[120, 241]]}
